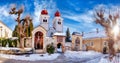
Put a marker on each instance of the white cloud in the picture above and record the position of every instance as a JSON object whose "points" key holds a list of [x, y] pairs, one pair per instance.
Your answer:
{"points": [[91, 2], [6, 18], [84, 17], [73, 5], [4, 12], [87, 18], [39, 6]]}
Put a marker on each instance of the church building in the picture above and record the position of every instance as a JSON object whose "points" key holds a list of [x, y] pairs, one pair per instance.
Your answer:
{"points": [[43, 34]]}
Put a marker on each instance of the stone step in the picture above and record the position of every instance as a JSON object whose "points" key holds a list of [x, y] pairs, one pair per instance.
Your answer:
{"points": [[39, 51]]}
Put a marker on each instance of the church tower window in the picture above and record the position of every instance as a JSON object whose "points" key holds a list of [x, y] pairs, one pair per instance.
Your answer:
{"points": [[44, 20], [59, 22]]}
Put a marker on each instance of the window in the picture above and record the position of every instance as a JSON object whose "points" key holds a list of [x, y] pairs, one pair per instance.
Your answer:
{"points": [[105, 43], [59, 22], [0, 26], [91, 43], [51, 35], [44, 20], [88, 44]]}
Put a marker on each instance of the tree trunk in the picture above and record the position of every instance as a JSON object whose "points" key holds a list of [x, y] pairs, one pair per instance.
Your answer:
{"points": [[21, 42], [111, 47]]}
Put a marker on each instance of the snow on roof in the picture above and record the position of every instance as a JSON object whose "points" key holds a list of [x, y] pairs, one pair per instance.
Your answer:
{"points": [[99, 34], [59, 34], [76, 33]]}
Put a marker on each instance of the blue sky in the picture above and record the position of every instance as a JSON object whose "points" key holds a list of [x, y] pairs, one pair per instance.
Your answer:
{"points": [[77, 14]]}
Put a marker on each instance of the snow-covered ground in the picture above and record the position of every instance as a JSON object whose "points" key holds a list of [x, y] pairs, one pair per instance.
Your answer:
{"points": [[32, 57], [59, 49], [115, 59], [14, 48], [83, 55], [91, 57], [73, 56]]}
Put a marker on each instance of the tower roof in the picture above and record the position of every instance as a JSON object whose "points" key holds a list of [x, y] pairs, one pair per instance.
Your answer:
{"points": [[44, 12], [57, 13]]}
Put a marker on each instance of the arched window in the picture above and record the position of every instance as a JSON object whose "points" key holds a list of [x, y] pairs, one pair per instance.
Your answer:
{"points": [[77, 41], [51, 35], [91, 43]]}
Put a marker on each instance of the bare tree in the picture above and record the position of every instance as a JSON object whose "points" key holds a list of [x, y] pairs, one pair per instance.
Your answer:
{"points": [[109, 23], [22, 23]]}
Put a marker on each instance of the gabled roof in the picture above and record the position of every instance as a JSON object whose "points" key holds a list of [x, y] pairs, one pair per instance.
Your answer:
{"points": [[40, 26], [100, 34], [5, 25]]}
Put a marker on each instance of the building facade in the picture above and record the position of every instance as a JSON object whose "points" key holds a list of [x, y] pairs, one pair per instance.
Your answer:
{"points": [[5, 32], [43, 34], [96, 41]]}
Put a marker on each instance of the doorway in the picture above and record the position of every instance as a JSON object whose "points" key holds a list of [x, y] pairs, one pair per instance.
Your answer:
{"points": [[59, 47], [38, 40]]}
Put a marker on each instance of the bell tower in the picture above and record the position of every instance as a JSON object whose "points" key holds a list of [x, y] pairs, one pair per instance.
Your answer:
{"points": [[58, 22], [44, 19]]}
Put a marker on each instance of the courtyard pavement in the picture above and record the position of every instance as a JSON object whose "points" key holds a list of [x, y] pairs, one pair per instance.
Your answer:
{"points": [[60, 59]]}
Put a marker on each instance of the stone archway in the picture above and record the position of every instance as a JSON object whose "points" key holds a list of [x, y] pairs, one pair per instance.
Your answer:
{"points": [[38, 40], [59, 47], [77, 44]]}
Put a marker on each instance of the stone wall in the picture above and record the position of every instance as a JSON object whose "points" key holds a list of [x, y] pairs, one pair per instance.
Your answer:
{"points": [[68, 45]]}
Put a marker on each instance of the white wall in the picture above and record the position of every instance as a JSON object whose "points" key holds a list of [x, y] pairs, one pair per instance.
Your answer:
{"points": [[5, 32]]}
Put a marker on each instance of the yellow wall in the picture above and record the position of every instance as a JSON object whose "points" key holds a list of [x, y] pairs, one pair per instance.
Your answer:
{"points": [[73, 41], [98, 43]]}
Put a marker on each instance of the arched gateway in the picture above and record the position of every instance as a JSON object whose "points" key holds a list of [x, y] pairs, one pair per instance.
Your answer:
{"points": [[43, 34], [38, 38]]}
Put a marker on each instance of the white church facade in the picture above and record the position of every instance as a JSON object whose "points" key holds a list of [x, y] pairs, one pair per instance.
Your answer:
{"points": [[43, 34]]}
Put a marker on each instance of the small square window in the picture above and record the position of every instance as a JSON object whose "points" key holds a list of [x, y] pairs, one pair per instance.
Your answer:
{"points": [[105, 43], [59, 22], [44, 20], [91, 43]]}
